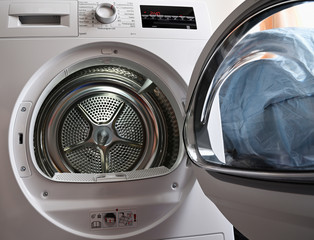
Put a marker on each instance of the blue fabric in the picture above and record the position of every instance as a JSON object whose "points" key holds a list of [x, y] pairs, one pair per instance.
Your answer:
{"points": [[267, 105]]}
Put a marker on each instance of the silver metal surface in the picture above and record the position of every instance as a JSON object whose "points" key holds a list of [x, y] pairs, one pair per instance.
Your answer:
{"points": [[109, 135], [95, 121]]}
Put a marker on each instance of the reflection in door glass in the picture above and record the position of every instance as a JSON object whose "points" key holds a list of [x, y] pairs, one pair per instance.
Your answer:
{"points": [[267, 97]]}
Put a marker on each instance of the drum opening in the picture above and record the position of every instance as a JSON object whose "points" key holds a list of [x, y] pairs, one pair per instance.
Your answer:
{"points": [[103, 120]]}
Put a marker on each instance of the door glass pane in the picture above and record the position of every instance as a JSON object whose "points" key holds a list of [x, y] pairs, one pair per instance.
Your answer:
{"points": [[259, 109]]}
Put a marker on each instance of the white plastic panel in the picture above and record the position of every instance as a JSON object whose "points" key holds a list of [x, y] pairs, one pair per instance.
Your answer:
{"points": [[65, 204], [38, 19], [19, 143]]}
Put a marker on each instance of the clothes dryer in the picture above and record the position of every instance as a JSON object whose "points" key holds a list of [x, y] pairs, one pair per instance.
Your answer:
{"points": [[103, 119]]}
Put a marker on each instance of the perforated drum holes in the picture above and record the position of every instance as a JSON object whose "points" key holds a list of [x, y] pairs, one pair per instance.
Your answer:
{"points": [[95, 121]]}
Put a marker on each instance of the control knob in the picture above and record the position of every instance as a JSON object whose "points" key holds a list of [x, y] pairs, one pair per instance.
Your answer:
{"points": [[106, 13]]}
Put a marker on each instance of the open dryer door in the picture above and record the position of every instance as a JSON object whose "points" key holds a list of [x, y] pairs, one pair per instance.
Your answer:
{"points": [[250, 121]]}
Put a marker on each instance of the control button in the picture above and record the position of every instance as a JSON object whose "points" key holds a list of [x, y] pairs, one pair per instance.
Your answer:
{"points": [[106, 13]]}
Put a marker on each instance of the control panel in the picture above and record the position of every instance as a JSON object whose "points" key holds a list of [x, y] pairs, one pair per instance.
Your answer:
{"points": [[122, 15], [105, 19], [139, 19]]}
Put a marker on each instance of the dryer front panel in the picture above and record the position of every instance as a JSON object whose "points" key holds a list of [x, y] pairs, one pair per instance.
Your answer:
{"points": [[97, 148]]}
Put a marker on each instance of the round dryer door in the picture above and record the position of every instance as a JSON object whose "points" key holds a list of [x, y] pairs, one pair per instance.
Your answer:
{"points": [[250, 121]]}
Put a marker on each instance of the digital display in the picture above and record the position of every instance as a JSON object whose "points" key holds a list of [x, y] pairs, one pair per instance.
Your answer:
{"points": [[167, 17], [165, 10]]}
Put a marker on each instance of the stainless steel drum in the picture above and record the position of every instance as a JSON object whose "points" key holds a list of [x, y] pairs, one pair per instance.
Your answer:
{"points": [[105, 119]]}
